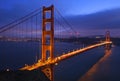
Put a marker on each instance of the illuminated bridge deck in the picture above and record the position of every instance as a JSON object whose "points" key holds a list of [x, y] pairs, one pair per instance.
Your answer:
{"points": [[63, 57]]}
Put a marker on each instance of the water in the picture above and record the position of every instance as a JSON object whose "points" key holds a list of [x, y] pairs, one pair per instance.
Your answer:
{"points": [[93, 65], [106, 69]]}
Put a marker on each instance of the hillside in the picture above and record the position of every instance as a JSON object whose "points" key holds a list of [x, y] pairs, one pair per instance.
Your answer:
{"points": [[35, 75]]}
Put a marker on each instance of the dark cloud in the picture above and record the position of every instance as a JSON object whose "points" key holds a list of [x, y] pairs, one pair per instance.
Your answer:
{"points": [[13, 10], [9, 15], [109, 19]]}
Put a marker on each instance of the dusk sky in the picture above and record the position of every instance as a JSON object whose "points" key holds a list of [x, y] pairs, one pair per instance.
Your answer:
{"points": [[89, 17]]}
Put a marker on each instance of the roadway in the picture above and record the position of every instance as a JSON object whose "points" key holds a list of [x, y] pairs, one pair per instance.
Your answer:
{"points": [[63, 57]]}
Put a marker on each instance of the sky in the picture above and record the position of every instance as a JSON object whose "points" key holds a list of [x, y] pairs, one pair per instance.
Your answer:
{"points": [[88, 17]]}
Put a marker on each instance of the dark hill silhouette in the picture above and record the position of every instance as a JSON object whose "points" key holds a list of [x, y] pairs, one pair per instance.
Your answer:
{"points": [[35, 75]]}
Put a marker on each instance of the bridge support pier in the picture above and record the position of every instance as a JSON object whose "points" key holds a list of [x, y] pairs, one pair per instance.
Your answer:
{"points": [[49, 71]]}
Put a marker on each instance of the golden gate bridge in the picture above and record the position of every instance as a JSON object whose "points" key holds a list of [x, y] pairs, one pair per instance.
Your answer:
{"points": [[41, 23]]}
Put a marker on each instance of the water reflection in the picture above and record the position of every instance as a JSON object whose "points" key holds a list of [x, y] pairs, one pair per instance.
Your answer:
{"points": [[90, 75]]}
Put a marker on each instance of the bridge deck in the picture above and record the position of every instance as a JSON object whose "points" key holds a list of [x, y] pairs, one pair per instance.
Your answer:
{"points": [[62, 57]]}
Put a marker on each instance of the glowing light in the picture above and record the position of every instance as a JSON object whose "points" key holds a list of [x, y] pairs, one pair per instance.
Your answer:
{"points": [[56, 64], [8, 70]]}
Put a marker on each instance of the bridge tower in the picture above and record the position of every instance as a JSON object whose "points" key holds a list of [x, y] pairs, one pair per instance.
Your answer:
{"points": [[48, 43], [108, 36], [108, 46]]}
